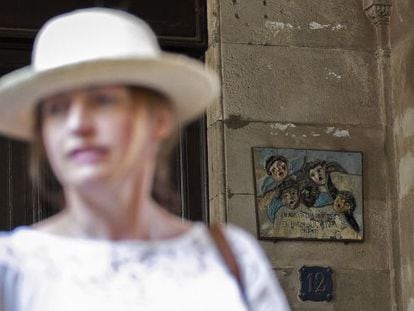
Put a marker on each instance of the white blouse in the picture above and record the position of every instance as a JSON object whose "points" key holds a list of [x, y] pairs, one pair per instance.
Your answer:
{"points": [[45, 272]]}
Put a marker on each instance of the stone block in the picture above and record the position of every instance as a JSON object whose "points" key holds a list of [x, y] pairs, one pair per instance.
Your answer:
{"points": [[372, 252], [241, 212], [363, 290], [300, 85], [401, 21], [328, 24], [406, 174], [215, 150], [217, 209], [213, 21], [213, 61], [406, 234], [407, 281]]}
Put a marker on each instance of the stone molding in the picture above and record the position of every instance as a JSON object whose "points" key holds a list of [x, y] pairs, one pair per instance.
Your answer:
{"points": [[381, 53], [379, 12]]}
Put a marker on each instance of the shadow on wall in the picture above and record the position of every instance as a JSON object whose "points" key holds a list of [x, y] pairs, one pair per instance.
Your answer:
{"points": [[403, 69], [409, 69], [407, 65]]}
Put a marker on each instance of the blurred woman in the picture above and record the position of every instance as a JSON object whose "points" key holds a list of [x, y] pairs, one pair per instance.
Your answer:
{"points": [[101, 104]]}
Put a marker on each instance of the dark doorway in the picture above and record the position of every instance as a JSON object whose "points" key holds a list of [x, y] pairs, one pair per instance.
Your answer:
{"points": [[180, 27]]}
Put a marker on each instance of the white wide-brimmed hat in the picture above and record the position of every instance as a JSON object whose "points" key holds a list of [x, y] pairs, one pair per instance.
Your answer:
{"points": [[95, 47]]}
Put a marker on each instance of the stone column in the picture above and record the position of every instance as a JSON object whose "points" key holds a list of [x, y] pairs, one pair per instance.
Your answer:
{"points": [[379, 14], [215, 125], [400, 128]]}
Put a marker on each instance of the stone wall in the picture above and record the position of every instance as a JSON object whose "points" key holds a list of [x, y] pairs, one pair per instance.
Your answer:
{"points": [[402, 36], [311, 66]]}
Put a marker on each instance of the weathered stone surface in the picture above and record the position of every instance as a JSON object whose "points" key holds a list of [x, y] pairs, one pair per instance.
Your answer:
{"points": [[372, 252], [402, 120], [406, 173], [303, 74], [215, 147], [407, 236], [217, 209], [213, 61], [329, 24], [363, 290], [299, 85], [239, 143], [401, 21], [213, 21], [241, 212]]}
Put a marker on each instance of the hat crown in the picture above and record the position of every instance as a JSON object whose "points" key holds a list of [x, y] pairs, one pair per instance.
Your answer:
{"points": [[99, 47], [92, 34]]}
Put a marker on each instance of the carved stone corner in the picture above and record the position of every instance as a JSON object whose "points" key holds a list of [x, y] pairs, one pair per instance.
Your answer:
{"points": [[378, 11], [383, 53]]}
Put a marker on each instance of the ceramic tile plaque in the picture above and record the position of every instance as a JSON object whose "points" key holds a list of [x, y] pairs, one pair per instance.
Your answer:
{"points": [[315, 283], [308, 194]]}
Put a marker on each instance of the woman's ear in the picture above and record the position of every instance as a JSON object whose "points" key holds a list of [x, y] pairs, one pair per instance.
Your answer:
{"points": [[164, 123]]}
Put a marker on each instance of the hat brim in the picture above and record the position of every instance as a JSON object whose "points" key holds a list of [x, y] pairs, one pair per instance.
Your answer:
{"points": [[186, 82]]}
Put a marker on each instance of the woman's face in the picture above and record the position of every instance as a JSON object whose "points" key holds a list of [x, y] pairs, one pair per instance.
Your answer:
{"points": [[89, 133]]}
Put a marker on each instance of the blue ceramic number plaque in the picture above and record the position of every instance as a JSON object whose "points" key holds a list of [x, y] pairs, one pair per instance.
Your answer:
{"points": [[315, 283]]}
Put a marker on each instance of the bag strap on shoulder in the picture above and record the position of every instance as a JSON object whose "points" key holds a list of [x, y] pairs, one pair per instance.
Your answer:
{"points": [[225, 251], [222, 245]]}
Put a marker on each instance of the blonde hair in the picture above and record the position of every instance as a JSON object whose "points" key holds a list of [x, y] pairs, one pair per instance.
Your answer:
{"points": [[44, 179]]}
